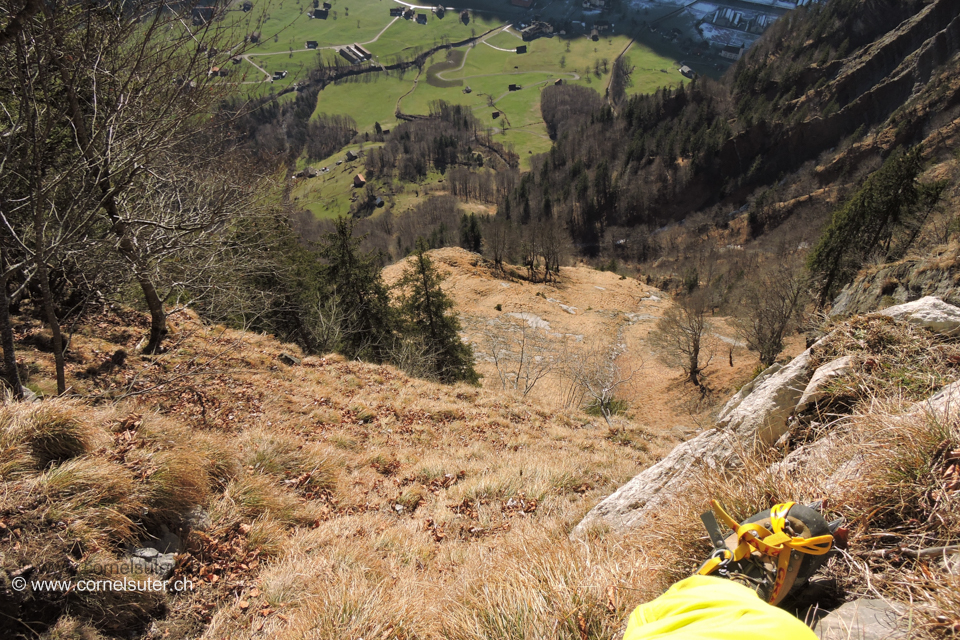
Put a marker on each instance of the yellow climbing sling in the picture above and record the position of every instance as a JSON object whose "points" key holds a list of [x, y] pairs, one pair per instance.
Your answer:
{"points": [[772, 551]]}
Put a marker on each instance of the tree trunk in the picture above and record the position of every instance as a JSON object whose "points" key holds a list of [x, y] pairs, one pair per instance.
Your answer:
{"points": [[51, 313], [158, 317], [10, 372]]}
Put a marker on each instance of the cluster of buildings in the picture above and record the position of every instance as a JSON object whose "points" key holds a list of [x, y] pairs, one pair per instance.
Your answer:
{"points": [[755, 23], [320, 11], [407, 13], [535, 30]]}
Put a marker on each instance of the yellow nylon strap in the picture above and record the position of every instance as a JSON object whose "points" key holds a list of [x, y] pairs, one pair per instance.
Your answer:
{"points": [[730, 522], [778, 515], [709, 566], [755, 536]]}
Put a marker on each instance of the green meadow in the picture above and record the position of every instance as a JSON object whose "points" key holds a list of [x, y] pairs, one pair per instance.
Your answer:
{"points": [[285, 27], [366, 102]]}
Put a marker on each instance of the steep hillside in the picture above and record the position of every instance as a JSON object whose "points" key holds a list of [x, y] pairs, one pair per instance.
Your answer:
{"points": [[289, 497], [585, 309], [328, 497]]}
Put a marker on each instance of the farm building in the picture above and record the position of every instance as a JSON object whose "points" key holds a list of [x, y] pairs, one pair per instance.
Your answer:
{"points": [[731, 52], [536, 30], [396, 12], [312, 44], [522, 48], [349, 55], [359, 180], [421, 18], [687, 72], [558, 82], [496, 114], [351, 156], [363, 52], [513, 87]]}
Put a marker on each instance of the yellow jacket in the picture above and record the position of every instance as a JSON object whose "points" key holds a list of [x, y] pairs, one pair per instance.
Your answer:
{"points": [[711, 608]]}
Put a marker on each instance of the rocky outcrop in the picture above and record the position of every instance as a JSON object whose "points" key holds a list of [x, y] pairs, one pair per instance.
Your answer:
{"points": [[817, 387], [758, 415], [762, 413], [864, 619], [902, 282], [929, 312]]}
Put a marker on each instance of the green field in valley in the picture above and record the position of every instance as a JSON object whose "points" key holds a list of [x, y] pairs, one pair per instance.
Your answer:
{"points": [[366, 102], [487, 67]]}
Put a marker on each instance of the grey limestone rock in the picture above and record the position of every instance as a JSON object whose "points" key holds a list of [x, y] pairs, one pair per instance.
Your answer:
{"points": [[932, 313], [864, 619]]}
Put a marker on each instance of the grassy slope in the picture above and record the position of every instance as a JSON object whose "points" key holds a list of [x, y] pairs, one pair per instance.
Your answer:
{"points": [[366, 102], [286, 26], [328, 195], [488, 72], [348, 500]]}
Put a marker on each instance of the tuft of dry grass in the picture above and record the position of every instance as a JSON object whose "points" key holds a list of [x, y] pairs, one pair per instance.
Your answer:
{"points": [[177, 483], [93, 497], [307, 467], [35, 436], [252, 496]]}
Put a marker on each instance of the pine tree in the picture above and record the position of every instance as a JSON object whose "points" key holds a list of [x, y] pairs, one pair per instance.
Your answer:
{"points": [[364, 315], [471, 236], [890, 200], [423, 309]]}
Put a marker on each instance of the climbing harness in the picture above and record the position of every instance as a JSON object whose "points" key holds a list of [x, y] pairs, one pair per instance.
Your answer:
{"points": [[774, 551]]}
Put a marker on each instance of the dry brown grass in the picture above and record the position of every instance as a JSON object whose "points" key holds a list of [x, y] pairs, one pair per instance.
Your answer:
{"points": [[348, 500]]}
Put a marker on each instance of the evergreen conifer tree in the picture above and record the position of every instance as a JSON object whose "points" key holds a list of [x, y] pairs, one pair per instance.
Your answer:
{"points": [[892, 199], [353, 277], [423, 309]]}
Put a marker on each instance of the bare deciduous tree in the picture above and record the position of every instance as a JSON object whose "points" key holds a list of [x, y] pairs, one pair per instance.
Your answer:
{"points": [[769, 307], [522, 354], [597, 372], [681, 336]]}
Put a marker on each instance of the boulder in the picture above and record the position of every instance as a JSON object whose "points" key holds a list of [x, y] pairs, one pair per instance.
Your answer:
{"points": [[150, 561], [760, 415], [940, 403], [631, 503], [756, 414], [814, 392], [288, 359], [864, 619], [932, 313]]}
